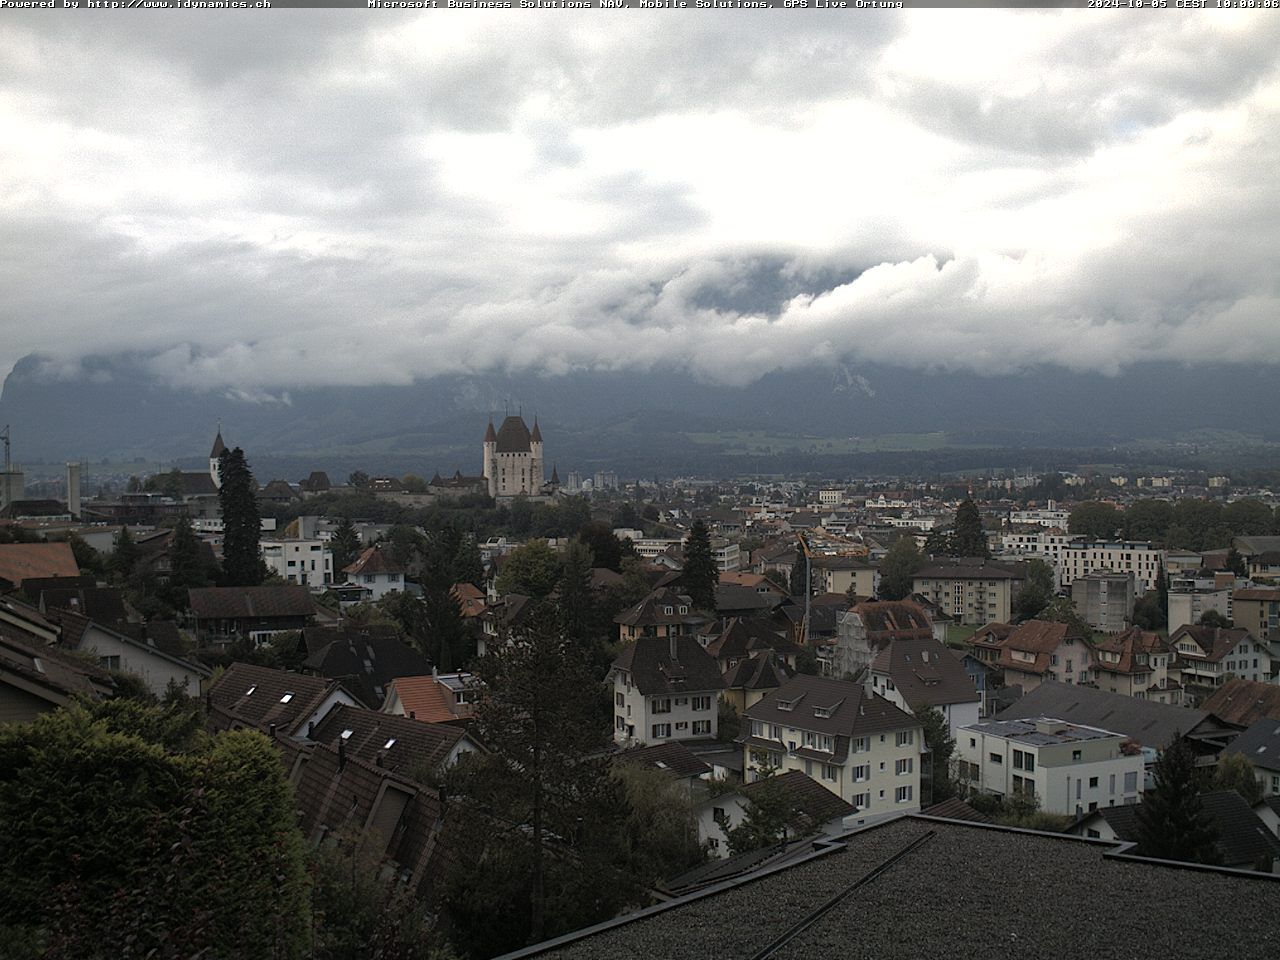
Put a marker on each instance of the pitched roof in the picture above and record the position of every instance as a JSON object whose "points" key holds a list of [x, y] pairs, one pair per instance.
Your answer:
{"points": [[1258, 593], [742, 636], [1131, 646], [652, 610], [672, 757], [926, 673], [373, 561], [249, 603], [366, 663], [48, 672], [1244, 702], [513, 436], [262, 696], [759, 672], [893, 619], [428, 699], [1216, 642], [536, 436], [18, 561], [733, 596], [385, 739], [1040, 637], [218, 446], [196, 483], [1149, 723], [490, 435], [956, 809], [840, 708], [101, 604], [1260, 744], [811, 803], [655, 671]]}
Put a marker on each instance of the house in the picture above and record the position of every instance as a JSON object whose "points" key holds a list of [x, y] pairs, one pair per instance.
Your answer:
{"points": [[812, 809], [1261, 556], [158, 665], [36, 678], [750, 680], [866, 628], [663, 613], [19, 561], [917, 675], [1104, 598], [222, 615], [298, 560], [418, 750], [1208, 655], [664, 688], [972, 590], [1260, 745], [1068, 768], [434, 697], [1244, 702], [470, 598], [741, 638], [272, 701], [857, 745], [377, 572], [975, 878], [836, 574], [503, 619], [1138, 663], [1243, 840], [1040, 650], [365, 659], [1193, 594], [986, 643], [1257, 610], [1268, 811], [734, 600], [673, 759]]}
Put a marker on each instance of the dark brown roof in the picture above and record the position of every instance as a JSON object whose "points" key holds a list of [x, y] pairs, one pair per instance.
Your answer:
{"points": [[372, 561], [1258, 593], [654, 671], [1041, 637], [743, 636], [968, 568], [218, 447], [260, 696], [652, 610], [1130, 646], [756, 673], [251, 603], [926, 673], [956, 809], [513, 436], [366, 664], [490, 436], [673, 757], [101, 604], [837, 707], [197, 483], [57, 674], [894, 619], [810, 802], [278, 490], [414, 745], [1216, 642], [1244, 702]]}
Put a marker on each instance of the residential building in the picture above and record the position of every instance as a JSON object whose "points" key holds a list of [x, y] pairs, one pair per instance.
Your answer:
{"points": [[1104, 598], [917, 675], [812, 809], [986, 642], [750, 681], [221, 615], [665, 688], [434, 697], [741, 638], [1261, 556], [1208, 655], [409, 747], [1137, 663], [971, 590], [307, 562], [1040, 650], [1257, 609], [836, 574], [1124, 556], [20, 561], [1051, 516], [513, 459], [662, 613], [1244, 702], [1068, 768], [375, 570], [367, 659], [36, 678], [275, 702], [727, 555], [161, 667], [1188, 604], [858, 745], [1260, 745], [675, 761], [868, 627]]}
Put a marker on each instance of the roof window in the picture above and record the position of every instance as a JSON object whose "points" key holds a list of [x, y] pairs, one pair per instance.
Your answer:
{"points": [[346, 734], [286, 698], [389, 744], [249, 692]]}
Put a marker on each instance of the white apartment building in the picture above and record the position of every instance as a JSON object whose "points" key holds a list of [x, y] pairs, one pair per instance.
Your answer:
{"points": [[1051, 516], [727, 555], [665, 688], [1069, 768], [859, 746], [831, 497], [306, 562], [1124, 556]]}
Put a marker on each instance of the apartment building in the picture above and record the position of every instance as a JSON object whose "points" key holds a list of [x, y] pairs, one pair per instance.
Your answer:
{"points": [[1137, 557], [1138, 663], [1068, 768], [1257, 610], [1041, 650], [1208, 655], [859, 746], [917, 675], [971, 590], [834, 574], [665, 688], [304, 561], [1104, 599]]}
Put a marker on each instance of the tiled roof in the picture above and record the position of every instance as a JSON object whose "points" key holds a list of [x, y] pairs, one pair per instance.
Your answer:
{"points": [[956, 809], [18, 561], [759, 672], [513, 436], [673, 757], [839, 708], [1216, 642], [428, 700], [1244, 702], [251, 603], [260, 696], [1258, 593], [57, 673], [926, 673], [101, 604], [1040, 637], [1260, 745], [893, 619], [811, 803], [732, 596], [655, 671], [1129, 645], [366, 664], [743, 636], [394, 742], [373, 561], [652, 610]]}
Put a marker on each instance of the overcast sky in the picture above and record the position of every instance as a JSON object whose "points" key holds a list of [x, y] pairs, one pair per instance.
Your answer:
{"points": [[353, 196]]}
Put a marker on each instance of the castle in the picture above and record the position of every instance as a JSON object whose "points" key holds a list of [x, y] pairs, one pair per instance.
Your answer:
{"points": [[513, 464]]}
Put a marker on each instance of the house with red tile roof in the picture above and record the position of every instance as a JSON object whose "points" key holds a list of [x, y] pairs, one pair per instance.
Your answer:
{"points": [[1041, 650], [1209, 655], [1138, 663], [433, 698], [377, 572]]}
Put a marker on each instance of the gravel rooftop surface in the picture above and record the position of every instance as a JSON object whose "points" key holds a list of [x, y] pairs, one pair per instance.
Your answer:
{"points": [[968, 891]]}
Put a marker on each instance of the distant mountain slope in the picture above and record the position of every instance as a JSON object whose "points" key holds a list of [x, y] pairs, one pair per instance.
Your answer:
{"points": [[112, 407]]}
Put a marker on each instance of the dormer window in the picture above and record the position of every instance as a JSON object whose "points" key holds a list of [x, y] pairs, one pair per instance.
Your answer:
{"points": [[667, 610], [785, 704], [684, 609]]}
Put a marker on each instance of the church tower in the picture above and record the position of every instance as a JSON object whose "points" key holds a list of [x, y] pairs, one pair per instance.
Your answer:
{"points": [[215, 459], [490, 450]]}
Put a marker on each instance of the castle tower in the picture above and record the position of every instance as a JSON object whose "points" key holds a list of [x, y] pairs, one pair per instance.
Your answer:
{"points": [[490, 471], [215, 459], [537, 473]]}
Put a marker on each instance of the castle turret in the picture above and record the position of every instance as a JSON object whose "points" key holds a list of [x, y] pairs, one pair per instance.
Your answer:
{"points": [[537, 473], [490, 450]]}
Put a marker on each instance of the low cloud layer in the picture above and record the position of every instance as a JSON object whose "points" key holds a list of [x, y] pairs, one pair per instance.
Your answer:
{"points": [[351, 199]]}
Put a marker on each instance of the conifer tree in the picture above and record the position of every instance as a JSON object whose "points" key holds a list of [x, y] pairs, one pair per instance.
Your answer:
{"points": [[1171, 821], [344, 544], [468, 567], [125, 557], [700, 573], [967, 537], [242, 525]]}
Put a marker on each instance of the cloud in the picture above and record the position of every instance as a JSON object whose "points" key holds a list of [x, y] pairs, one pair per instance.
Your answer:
{"points": [[355, 200]]}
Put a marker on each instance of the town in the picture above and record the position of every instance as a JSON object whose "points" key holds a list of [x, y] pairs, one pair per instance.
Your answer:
{"points": [[388, 705]]}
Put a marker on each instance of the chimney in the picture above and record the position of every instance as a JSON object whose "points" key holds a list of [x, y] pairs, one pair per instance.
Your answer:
{"points": [[311, 729], [342, 754], [271, 731], [413, 715]]}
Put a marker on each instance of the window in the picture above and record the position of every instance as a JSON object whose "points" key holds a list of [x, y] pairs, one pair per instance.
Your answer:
{"points": [[995, 758], [661, 705], [902, 795], [701, 703], [903, 766], [619, 699], [702, 728], [286, 698], [1131, 782], [859, 744], [113, 663], [861, 800], [972, 742], [861, 773], [830, 772], [1017, 759], [1093, 783], [1075, 756], [661, 730], [719, 816], [906, 737]]}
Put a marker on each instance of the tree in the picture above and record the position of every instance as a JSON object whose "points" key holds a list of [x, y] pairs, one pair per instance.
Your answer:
{"points": [[1098, 521], [767, 816], [242, 525], [186, 564], [660, 831], [576, 599], [938, 786], [1235, 772], [125, 556], [1036, 592], [1063, 610], [728, 722], [1247, 518], [796, 583], [358, 479], [700, 572], [1212, 618], [413, 483], [88, 560], [898, 569], [968, 538], [345, 544], [1235, 563], [538, 840], [1171, 821], [531, 569], [605, 547], [467, 566], [1148, 612], [1148, 520]]}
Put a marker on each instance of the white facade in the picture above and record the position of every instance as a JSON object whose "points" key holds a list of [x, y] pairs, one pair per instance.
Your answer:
{"points": [[647, 720], [957, 715], [1069, 768], [155, 668], [305, 562], [378, 584], [728, 556], [1139, 558], [1188, 606]]}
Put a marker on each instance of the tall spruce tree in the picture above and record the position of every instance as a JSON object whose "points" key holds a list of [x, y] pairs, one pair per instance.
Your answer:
{"points": [[344, 544], [967, 536], [700, 573], [125, 556], [898, 569], [186, 567], [1171, 821], [468, 567], [242, 524]]}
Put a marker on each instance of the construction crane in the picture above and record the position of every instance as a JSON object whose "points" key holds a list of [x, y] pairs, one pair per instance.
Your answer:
{"points": [[808, 582], [5, 493]]}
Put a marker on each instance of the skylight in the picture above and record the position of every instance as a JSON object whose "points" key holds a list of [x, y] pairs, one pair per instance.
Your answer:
{"points": [[346, 734], [286, 698], [249, 692], [389, 744]]}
